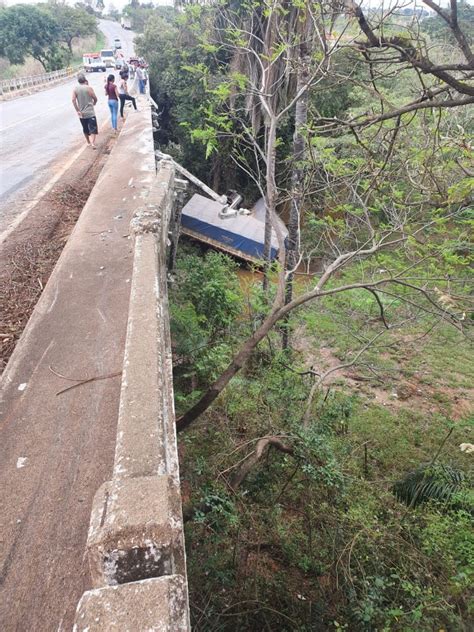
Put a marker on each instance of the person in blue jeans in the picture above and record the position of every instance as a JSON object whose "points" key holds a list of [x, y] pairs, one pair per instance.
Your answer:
{"points": [[112, 93], [141, 79]]}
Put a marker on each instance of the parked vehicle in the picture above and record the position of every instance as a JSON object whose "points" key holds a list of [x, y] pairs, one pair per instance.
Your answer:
{"points": [[108, 57], [126, 23], [120, 64], [93, 62], [117, 43]]}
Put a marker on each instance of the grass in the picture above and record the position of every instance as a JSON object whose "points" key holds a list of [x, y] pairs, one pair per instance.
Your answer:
{"points": [[317, 540], [89, 45]]}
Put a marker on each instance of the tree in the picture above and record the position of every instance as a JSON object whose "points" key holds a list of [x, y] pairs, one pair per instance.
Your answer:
{"points": [[173, 46], [27, 30], [140, 14], [265, 44], [445, 81], [73, 22]]}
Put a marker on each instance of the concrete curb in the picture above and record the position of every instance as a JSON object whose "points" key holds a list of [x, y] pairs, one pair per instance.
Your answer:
{"points": [[154, 605], [136, 529]]}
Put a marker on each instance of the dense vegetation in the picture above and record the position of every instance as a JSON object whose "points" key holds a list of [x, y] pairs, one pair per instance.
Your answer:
{"points": [[44, 32], [316, 538], [325, 487]]}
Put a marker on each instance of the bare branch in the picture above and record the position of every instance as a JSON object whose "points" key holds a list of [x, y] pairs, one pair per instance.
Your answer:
{"points": [[237, 478]]}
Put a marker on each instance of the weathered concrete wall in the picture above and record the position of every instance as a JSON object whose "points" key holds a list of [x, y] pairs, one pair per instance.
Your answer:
{"points": [[154, 605], [135, 543]]}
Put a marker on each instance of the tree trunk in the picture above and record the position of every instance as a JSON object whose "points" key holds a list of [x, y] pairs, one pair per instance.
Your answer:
{"points": [[42, 61], [237, 363], [270, 197], [297, 178]]}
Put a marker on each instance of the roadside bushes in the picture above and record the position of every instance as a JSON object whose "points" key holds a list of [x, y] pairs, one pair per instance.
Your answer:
{"points": [[205, 303], [293, 526]]}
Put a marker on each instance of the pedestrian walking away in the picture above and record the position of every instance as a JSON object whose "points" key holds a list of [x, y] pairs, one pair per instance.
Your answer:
{"points": [[123, 94], [112, 93], [83, 100]]}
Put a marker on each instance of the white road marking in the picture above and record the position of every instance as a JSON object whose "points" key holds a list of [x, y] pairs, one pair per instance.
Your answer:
{"points": [[30, 118], [47, 187]]}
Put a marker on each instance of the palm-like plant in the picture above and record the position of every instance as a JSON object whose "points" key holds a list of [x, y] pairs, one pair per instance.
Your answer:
{"points": [[439, 483]]}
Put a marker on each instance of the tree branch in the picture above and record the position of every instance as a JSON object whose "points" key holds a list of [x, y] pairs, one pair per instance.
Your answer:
{"points": [[237, 478]]}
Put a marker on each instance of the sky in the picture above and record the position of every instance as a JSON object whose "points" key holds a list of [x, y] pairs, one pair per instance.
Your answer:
{"points": [[119, 4]]}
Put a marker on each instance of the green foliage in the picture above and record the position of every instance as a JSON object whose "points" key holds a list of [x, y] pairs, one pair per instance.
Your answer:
{"points": [[182, 68], [72, 22], [210, 363], [44, 32], [450, 537], [29, 30], [437, 28], [205, 304], [439, 483], [211, 286], [141, 13], [320, 526], [220, 511]]}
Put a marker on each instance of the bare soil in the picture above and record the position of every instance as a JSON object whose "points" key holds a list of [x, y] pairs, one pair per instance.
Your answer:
{"points": [[30, 253], [411, 393]]}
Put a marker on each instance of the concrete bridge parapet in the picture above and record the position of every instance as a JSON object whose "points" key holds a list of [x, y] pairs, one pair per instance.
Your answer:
{"points": [[135, 544]]}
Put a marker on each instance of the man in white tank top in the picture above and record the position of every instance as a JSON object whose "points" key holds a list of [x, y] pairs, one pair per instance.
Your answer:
{"points": [[83, 100]]}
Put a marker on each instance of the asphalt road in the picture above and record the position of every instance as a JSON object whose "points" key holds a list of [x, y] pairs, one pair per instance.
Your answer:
{"points": [[39, 133]]}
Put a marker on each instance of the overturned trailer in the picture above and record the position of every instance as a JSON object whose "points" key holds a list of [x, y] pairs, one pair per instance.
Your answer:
{"points": [[241, 235]]}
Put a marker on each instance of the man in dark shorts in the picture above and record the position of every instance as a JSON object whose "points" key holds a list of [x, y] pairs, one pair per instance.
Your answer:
{"points": [[83, 100]]}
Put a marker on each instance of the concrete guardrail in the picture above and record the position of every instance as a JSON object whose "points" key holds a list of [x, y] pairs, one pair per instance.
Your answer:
{"points": [[135, 544], [11, 88]]}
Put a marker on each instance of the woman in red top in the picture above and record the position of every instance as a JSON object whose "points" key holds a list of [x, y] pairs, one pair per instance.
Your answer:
{"points": [[112, 93]]}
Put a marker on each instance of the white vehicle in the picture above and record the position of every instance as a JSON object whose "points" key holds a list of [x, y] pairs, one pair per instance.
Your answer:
{"points": [[117, 43], [108, 57], [126, 23], [93, 62]]}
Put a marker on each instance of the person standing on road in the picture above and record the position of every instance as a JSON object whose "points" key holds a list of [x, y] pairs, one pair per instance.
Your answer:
{"points": [[83, 100], [123, 94], [113, 94], [141, 79]]}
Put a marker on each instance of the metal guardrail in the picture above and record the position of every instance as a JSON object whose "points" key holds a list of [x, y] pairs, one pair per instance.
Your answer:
{"points": [[8, 86]]}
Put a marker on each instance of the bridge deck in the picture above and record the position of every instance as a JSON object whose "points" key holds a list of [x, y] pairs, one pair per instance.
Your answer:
{"points": [[56, 450]]}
